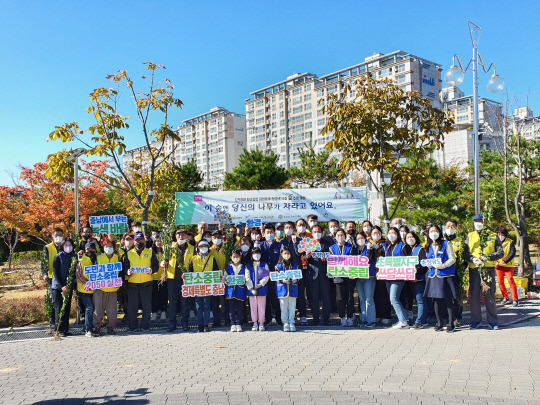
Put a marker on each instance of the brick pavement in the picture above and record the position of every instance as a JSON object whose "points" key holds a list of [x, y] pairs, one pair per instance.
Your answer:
{"points": [[333, 365]]}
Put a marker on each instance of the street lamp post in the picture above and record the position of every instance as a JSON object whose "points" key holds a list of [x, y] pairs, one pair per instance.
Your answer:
{"points": [[74, 157], [454, 76]]}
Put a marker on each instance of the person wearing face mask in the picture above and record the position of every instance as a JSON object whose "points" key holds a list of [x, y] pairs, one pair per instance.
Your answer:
{"points": [[270, 253], [136, 227], [440, 284], [105, 299], [88, 259], [450, 227], [256, 237], [290, 242], [407, 295], [203, 261], [302, 233], [317, 279], [257, 284], [505, 264], [280, 232], [152, 240], [287, 291], [367, 227], [181, 253], [365, 287], [350, 229], [233, 235], [207, 236], [245, 247], [344, 285], [216, 249], [49, 253], [61, 264], [413, 247], [139, 285], [236, 294], [476, 257], [86, 235], [202, 228], [333, 227], [393, 248], [312, 221], [159, 287], [383, 309]]}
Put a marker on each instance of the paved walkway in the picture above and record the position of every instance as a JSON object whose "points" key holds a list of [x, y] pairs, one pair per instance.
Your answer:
{"points": [[311, 366]]}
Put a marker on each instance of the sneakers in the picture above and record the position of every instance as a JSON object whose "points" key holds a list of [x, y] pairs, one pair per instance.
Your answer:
{"points": [[111, 331], [450, 328], [386, 321], [401, 325], [505, 301], [239, 328], [97, 332], [206, 328], [515, 303], [344, 322], [163, 316], [303, 320], [411, 315], [233, 328], [261, 327], [154, 317], [286, 327], [255, 326], [88, 334], [369, 325], [493, 326], [418, 325], [201, 328], [475, 325], [438, 327], [292, 327], [350, 322], [457, 323]]}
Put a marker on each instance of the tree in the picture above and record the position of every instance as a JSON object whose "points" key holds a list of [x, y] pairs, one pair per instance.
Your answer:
{"points": [[107, 134], [316, 168], [12, 212], [256, 171], [381, 127]]}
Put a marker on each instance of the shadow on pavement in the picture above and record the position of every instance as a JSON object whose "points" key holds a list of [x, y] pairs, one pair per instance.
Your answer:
{"points": [[132, 397]]}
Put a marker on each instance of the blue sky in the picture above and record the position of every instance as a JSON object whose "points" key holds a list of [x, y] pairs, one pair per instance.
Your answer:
{"points": [[216, 52]]}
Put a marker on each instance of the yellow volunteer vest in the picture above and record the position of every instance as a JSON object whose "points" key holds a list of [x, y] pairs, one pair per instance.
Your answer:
{"points": [[103, 259], [203, 263], [51, 248], [188, 254], [144, 260], [474, 248], [220, 257], [157, 276], [85, 261], [506, 247]]}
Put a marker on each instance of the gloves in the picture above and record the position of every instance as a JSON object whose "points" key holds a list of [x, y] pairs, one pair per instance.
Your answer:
{"points": [[259, 286], [338, 280], [437, 266], [477, 261], [254, 292], [287, 281], [163, 263], [375, 246]]}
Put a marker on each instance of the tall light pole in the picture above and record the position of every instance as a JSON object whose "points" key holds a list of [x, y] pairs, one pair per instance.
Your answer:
{"points": [[454, 76], [74, 157]]}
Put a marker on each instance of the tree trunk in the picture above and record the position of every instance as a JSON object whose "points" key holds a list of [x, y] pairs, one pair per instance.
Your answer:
{"points": [[386, 225], [12, 248]]}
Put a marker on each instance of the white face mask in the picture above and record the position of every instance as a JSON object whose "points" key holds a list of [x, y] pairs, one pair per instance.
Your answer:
{"points": [[411, 241], [108, 250], [312, 224], [288, 231], [317, 235], [244, 248], [301, 229], [58, 239], [434, 235], [478, 226], [450, 231], [360, 242], [217, 241], [286, 256], [137, 229], [254, 237], [68, 249], [367, 230], [392, 237], [208, 239], [502, 238], [403, 234], [181, 241], [203, 250], [236, 260], [256, 257], [340, 239], [376, 237]]}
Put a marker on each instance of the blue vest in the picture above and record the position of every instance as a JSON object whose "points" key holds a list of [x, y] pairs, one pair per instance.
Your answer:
{"points": [[263, 291], [415, 252], [348, 249], [441, 253], [286, 290], [236, 291], [396, 251]]}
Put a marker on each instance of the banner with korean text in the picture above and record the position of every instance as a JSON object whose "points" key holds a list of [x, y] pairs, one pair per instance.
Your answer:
{"points": [[103, 276], [397, 268], [343, 204], [348, 266], [116, 224], [203, 284]]}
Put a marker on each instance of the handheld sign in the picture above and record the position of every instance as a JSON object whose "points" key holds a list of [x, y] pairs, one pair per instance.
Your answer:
{"points": [[397, 268], [236, 280], [102, 276], [140, 270], [203, 284], [309, 244], [283, 275], [320, 255], [431, 262], [348, 266], [116, 224]]}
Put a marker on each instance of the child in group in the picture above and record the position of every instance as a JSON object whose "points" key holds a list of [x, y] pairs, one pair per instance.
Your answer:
{"points": [[257, 278], [236, 294], [287, 291]]}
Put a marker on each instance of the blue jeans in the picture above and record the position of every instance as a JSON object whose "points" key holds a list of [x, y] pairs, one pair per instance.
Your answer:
{"points": [[88, 310], [418, 290], [288, 306], [394, 291], [203, 310], [366, 288]]}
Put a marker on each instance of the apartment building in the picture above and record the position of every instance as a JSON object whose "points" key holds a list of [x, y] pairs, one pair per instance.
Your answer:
{"points": [[524, 122]]}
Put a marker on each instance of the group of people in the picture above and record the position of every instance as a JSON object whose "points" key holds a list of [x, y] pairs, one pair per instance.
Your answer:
{"points": [[275, 248]]}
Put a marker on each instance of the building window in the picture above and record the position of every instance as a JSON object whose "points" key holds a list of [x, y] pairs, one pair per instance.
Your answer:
{"points": [[400, 68], [401, 79], [298, 90], [307, 97], [260, 112]]}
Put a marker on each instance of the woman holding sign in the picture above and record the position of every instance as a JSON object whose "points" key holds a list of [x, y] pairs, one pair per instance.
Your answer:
{"points": [[366, 286], [414, 248], [257, 278], [234, 277], [440, 277], [287, 290], [345, 285]]}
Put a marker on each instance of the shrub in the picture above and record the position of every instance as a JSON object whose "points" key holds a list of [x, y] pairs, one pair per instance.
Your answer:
{"points": [[25, 311]]}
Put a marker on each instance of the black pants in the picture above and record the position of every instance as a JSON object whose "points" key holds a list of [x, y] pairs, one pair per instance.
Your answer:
{"points": [[176, 300], [236, 311], [214, 307], [383, 309], [272, 303], [345, 297], [159, 296], [320, 289], [407, 297], [301, 300], [58, 301], [139, 293]]}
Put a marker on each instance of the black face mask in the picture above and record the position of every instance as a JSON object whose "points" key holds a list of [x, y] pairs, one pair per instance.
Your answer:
{"points": [[139, 245], [351, 232], [86, 237], [91, 255]]}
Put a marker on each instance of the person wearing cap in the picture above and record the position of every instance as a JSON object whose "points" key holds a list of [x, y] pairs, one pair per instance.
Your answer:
{"points": [[203, 261], [280, 232], [476, 257], [236, 294], [88, 259], [505, 265], [49, 253], [312, 221], [181, 253], [216, 249], [139, 285], [270, 254], [202, 228]]}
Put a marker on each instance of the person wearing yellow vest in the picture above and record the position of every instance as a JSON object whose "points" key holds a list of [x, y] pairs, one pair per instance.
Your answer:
{"points": [[89, 258], [139, 264], [181, 254], [216, 249], [505, 265], [203, 261], [202, 227], [105, 299], [476, 256], [159, 288], [49, 252]]}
